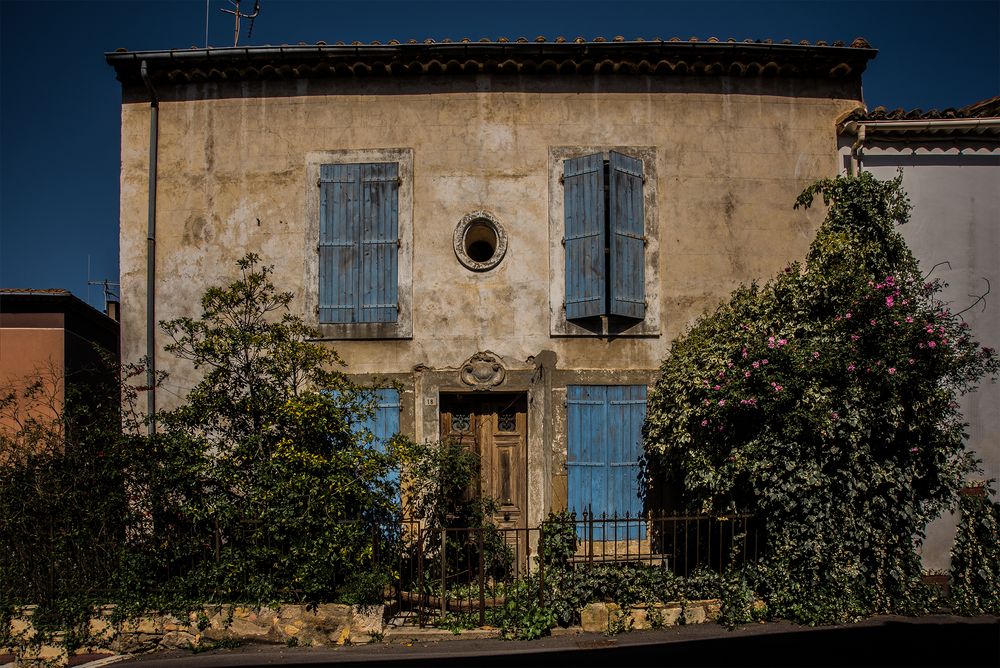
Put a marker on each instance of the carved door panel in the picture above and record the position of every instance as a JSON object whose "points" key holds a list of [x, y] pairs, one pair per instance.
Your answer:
{"points": [[495, 427]]}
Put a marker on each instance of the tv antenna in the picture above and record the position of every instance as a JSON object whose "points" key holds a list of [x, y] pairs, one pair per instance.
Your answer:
{"points": [[237, 14], [110, 289]]}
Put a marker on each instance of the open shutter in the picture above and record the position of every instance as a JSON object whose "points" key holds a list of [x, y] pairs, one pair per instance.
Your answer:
{"points": [[626, 412], [379, 242], [339, 236], [587, 455], [583, 211], [627, 243]]}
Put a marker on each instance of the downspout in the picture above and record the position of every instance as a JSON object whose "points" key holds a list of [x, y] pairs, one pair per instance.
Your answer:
{"points": [[857, 150], [154, 109]]}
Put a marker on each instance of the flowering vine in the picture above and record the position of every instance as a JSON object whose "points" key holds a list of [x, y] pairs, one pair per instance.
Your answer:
{"points": [[832, 408]]}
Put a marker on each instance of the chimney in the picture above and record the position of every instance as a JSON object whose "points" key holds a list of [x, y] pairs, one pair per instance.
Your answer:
{"points": [[112, 308]]}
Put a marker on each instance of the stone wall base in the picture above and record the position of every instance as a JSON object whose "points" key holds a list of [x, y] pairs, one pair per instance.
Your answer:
{"points": [[611, 618], [296, 625]]}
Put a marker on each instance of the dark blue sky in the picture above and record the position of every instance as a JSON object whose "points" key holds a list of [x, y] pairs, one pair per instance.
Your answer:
{"points": [[59, 101]]}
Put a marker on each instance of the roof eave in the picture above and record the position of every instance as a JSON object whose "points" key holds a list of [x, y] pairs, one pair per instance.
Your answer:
{"points": [[974, 127], [668, 57]]}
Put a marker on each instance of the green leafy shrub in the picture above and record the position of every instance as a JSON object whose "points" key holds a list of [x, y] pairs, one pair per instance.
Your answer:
{"points": [[261, 487], [523, 616], [443, 492], [558, 540], [824, 402], [975, 559], [64, 511], [258, 488]]}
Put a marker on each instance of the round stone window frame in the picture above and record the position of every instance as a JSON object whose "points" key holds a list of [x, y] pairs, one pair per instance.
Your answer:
{"points": [[470, 221]]}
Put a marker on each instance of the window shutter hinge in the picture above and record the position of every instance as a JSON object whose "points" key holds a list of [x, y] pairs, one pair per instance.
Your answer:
{"points": [[399, 181], [564, 241], [562, 179], [316, 309], [644, 240], [317, 248], [399, 243], [319, 182], [643, 178]]}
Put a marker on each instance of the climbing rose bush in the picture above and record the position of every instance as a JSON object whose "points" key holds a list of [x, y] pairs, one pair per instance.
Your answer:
{"points": [[825, 401]]}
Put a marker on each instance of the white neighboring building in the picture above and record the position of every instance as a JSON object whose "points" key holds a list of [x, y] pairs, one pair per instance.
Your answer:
{"points": [[951, 171]]}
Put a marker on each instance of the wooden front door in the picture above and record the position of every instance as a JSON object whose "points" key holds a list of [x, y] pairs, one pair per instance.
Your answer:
{"points": [[495, 427]]}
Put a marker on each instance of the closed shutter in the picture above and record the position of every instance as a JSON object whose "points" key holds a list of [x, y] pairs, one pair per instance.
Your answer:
{"points": [[379, 242], [383, 424], [626, 412], [583, 211], [627, 242], [358, 243], [339, 237], [587, 454], [604, 432]]}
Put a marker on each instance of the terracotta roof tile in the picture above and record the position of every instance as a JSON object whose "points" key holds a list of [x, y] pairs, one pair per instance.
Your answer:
{"points": [[674, 56], [989, 108], [34, 291]]}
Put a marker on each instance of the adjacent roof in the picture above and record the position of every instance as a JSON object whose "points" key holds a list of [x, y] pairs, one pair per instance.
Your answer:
{"points": [[521, 56], [989, 108], [34, 291], [979, 120]]}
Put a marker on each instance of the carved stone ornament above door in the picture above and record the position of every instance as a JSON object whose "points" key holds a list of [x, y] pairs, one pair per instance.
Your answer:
{"points": [[483, 371]]}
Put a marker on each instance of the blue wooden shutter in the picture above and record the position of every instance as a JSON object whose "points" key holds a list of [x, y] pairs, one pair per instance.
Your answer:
{"points": [[383, 424], [627, 242], [626, 412], [379, 243], [587, 454], [339, 238], [583, 212], [604, 440]]}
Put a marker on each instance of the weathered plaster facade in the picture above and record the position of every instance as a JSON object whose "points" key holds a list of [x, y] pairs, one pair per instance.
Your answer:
{"points": [[725, 156]]}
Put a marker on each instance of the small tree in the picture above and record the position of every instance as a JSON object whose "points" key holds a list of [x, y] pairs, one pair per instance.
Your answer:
{"points": [[444, 493], [265, 480], [825, 401]]}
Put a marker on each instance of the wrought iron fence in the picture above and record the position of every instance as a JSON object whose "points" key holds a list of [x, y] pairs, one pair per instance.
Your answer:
{"points": [[463, 570], [680, 543]]}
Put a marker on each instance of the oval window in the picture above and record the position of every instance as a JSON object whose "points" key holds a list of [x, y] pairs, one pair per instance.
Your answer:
{"points": [[480, 241]]}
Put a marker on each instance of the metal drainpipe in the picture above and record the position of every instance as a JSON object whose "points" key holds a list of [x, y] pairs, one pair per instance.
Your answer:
{"points": [[857, 151], [154, 109]]}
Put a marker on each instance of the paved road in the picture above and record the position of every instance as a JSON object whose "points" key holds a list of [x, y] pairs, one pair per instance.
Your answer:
{"points": [[938, 640]]}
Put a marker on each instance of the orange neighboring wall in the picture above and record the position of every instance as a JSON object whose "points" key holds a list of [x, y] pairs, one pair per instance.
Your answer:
{"points": [[48, 338], [31, 352]]}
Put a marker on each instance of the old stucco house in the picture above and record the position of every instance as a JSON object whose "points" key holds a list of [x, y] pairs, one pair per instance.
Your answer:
{"points": [[951, 167], [512, 230]]}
